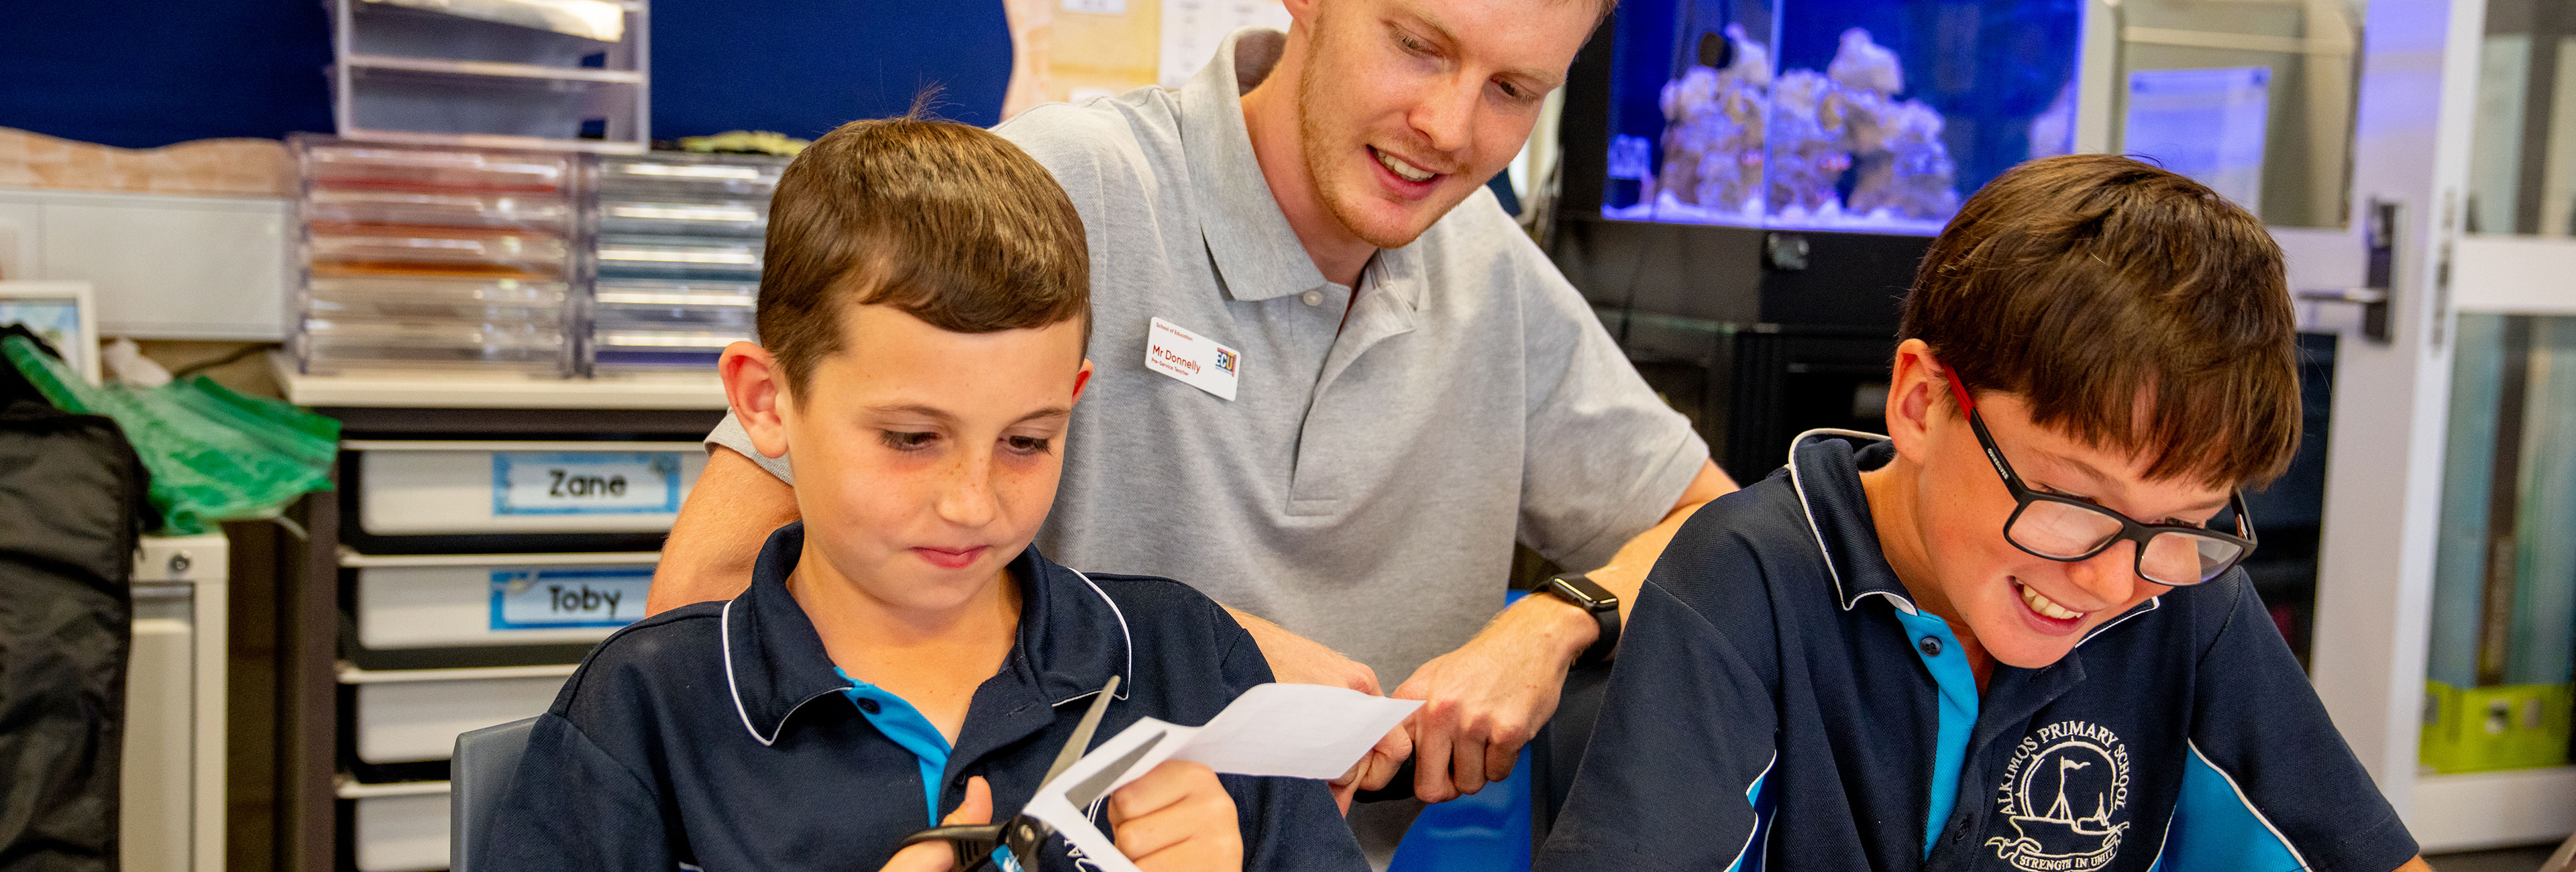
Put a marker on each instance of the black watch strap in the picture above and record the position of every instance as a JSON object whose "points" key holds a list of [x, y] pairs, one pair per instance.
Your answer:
{"points": [[1590, 597]]}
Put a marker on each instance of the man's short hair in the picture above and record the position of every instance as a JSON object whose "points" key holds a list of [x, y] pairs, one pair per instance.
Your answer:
{"points": [[2131, 307], [947, 222]]}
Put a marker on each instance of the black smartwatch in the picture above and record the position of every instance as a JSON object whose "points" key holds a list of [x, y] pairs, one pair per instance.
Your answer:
{"points": [[1580, 591]]}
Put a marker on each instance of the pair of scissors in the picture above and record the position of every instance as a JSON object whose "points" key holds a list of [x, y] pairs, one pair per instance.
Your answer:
{"points": [[1022, 834]]}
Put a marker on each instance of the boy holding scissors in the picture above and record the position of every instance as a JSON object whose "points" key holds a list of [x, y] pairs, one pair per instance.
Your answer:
{"points": [[903, 657]]}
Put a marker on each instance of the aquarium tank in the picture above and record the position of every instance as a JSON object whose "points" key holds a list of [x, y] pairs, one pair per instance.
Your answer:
{"points": [[1859, 115]]}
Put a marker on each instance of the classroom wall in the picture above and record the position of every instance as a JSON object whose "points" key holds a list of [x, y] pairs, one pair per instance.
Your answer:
{"points": [[143, 74]]}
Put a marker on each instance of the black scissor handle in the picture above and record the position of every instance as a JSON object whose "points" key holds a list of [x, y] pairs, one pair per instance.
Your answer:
{"points": [[974, 843], [1398, 787]]}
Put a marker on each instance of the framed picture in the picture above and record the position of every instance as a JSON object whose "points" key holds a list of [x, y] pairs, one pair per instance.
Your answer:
{"points": [[61, 313]]}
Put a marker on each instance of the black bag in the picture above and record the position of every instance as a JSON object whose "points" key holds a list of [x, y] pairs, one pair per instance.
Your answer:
{"points": [[71, 509]]}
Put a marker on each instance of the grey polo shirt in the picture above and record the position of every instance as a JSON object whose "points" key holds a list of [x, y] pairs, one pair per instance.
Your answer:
{"points": [[1366, 483]]}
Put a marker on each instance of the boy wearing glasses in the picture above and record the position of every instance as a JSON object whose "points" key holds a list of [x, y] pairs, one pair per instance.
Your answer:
{"points": [[2010, 635]]}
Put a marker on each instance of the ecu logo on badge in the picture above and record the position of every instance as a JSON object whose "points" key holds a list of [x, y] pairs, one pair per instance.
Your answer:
{"points": [[2065, 793]]}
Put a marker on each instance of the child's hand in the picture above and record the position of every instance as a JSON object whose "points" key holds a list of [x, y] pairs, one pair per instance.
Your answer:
{"points": [[938, 856], [1177, 819]]}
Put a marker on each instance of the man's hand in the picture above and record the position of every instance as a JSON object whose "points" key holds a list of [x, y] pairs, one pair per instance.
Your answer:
{"points": [[1295, 659], [976, 808], [1482, 702], [1177, 818]]}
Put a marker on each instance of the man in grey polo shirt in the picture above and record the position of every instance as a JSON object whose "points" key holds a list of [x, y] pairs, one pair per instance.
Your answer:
{"points": [[1412, 386]]}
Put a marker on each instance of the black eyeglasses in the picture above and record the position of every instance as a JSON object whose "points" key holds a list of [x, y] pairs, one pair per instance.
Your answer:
{"points": [[2066, 529]]}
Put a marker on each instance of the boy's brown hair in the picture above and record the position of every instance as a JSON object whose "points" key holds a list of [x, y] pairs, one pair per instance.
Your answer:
{"points": [[2131, 307], [947, 222]]}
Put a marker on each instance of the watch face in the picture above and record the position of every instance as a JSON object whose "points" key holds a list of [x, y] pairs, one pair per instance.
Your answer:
{"points": [[1582, 592]]}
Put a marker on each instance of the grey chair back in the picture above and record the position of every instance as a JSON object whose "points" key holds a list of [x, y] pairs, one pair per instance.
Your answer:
{"points": [[478, 774]]}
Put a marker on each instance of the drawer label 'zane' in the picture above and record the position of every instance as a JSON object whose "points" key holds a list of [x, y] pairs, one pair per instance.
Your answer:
{"points": [[554, 599], [585, 482]]}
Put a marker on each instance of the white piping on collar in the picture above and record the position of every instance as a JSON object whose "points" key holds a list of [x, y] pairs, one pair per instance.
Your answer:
{"points": [[2153, 603], [724, 635], [1798, 485], [724, 630], [1127, 678]]}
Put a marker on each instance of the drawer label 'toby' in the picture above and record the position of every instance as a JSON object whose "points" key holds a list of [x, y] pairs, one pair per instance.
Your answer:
{"points": [[554, 599], [585, 482]]}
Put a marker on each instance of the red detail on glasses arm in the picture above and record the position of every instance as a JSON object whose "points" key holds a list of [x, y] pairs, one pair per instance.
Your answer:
{"points": [[1959, 390]]}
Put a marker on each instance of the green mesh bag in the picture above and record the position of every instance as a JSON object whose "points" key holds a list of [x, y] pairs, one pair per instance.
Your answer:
{"points": [[214, 455]]}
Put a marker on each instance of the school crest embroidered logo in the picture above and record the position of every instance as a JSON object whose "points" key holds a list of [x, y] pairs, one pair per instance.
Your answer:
{"points": [[2066, 792]]}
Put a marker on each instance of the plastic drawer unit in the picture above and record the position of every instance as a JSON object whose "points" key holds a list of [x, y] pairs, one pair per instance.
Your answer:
{"points": [[422, 487], [413, 715], [679, 257], [398, 827], [437, 258], [449, 601]]}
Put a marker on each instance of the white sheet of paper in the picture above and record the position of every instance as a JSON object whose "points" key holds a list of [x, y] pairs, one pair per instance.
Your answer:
{"points": [[1295, 730], [1292, 730]]}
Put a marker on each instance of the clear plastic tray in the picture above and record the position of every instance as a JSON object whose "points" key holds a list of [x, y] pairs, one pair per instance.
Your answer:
{"points": [[668, 324], [395, 299], [358, 249], [705, 302], [676, 216], [461, 208], [628, 350], [679, 257], [335, 345], [454, 103], [337, 164], [667, 173]]}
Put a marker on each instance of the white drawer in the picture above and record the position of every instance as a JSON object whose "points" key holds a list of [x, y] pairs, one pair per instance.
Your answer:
{"points": [[399, 827], [497, 599], [412, 715], [408, 487]]}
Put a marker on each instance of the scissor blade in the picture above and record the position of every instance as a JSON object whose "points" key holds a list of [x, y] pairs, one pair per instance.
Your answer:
{"points": [[1081, 741], [1084, 794]]}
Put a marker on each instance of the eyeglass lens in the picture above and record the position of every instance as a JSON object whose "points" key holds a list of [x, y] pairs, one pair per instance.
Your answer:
{"points": [[2070, 532]]}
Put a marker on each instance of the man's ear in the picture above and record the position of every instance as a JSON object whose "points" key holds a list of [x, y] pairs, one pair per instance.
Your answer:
{"points": [[1913, 393], [756, 387], [1082, 380], [1301, 13]]}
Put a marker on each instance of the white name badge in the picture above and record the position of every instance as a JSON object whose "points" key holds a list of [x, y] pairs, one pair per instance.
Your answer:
{"points": [[1196, 360], [553, 599], [585, 482]]}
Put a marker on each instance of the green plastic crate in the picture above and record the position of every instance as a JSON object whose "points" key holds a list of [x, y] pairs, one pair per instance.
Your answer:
{"points": [[2512, 726]]}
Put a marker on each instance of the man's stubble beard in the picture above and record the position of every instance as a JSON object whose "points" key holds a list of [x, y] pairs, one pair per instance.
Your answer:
{"points": [[1311, 150]]}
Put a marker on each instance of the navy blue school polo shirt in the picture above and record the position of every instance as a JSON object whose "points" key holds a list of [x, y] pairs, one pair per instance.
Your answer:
{"points": [[1780, 703], [719, 736]]}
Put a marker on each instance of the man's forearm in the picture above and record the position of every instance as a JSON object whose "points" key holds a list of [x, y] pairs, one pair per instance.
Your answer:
{"points": [[1626, 571], [730, 512]]}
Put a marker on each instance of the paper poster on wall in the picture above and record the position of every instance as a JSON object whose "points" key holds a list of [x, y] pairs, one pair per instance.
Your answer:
{"points": [[2206, 124], [1192, 29]]}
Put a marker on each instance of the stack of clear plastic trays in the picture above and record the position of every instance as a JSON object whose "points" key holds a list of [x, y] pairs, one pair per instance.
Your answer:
{"points": [[435, 257], [678, 258]]}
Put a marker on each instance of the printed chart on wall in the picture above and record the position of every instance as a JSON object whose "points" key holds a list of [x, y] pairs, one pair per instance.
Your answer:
{"points": [[1192, 29], [1074, 50]]}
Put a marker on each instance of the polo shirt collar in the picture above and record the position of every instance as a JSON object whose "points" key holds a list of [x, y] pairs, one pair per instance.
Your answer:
{"points": [[1825, 472], [775, 662], [1256, 251]]}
